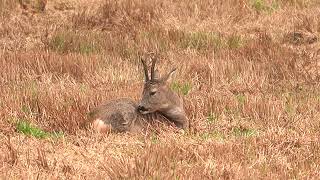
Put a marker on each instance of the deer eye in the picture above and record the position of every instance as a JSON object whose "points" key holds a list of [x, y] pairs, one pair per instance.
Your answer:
{"points": [[153, 93]]}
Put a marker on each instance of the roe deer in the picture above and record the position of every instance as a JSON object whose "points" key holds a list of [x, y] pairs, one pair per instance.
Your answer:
{"points": [[158, 97], [124, 115]]}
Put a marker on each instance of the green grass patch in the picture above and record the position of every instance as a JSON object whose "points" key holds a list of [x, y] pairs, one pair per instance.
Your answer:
{"points": [[28, 129], [235, 41], [212, 118], [201, 40], [212, 135], [263, 6], [259, 5], [70, 41], [275, 5], [183, 88], [154, 138], [239, 131], [241, 98], [289, 108], [290, 102], [40, 5]]}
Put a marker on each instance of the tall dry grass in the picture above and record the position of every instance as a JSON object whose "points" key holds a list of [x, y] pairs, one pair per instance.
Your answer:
{"points": [[248, 72]]}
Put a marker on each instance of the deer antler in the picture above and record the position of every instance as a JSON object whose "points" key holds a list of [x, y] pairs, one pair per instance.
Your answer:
{"points": [[154, 60], [145, 68]]}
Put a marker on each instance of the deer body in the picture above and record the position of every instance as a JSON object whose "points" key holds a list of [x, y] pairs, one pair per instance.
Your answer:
{"points": [[118, 115], [124, 115]]}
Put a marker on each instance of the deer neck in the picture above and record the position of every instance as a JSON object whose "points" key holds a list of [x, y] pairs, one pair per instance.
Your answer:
{"points": [[177, 115]]}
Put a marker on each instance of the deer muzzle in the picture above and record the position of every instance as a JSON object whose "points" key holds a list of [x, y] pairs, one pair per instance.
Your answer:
{"points": [[143, 110]]}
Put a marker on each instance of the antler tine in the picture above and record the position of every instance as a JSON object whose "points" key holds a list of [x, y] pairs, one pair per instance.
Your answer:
{"points": [[154, 60], [145, 68]]}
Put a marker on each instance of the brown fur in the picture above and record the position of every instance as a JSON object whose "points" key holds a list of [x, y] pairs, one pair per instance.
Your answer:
{"points": [[124, 115], [158, 97], [117, 115]]}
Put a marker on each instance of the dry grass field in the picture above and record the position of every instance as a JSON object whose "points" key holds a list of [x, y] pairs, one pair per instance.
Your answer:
{"points": [[248, 71]]}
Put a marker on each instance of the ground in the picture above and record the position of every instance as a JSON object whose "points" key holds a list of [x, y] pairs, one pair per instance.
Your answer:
{"points": [[248, 71]]}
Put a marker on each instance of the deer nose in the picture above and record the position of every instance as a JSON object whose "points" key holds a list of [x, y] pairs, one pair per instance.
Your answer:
{"points": [[142, 108]]}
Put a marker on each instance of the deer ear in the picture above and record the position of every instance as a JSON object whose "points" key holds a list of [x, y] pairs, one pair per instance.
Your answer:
{"points": [[169, 75]]}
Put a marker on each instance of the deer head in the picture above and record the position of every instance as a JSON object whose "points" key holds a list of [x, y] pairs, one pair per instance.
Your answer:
{"points": [[158, 97]]}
